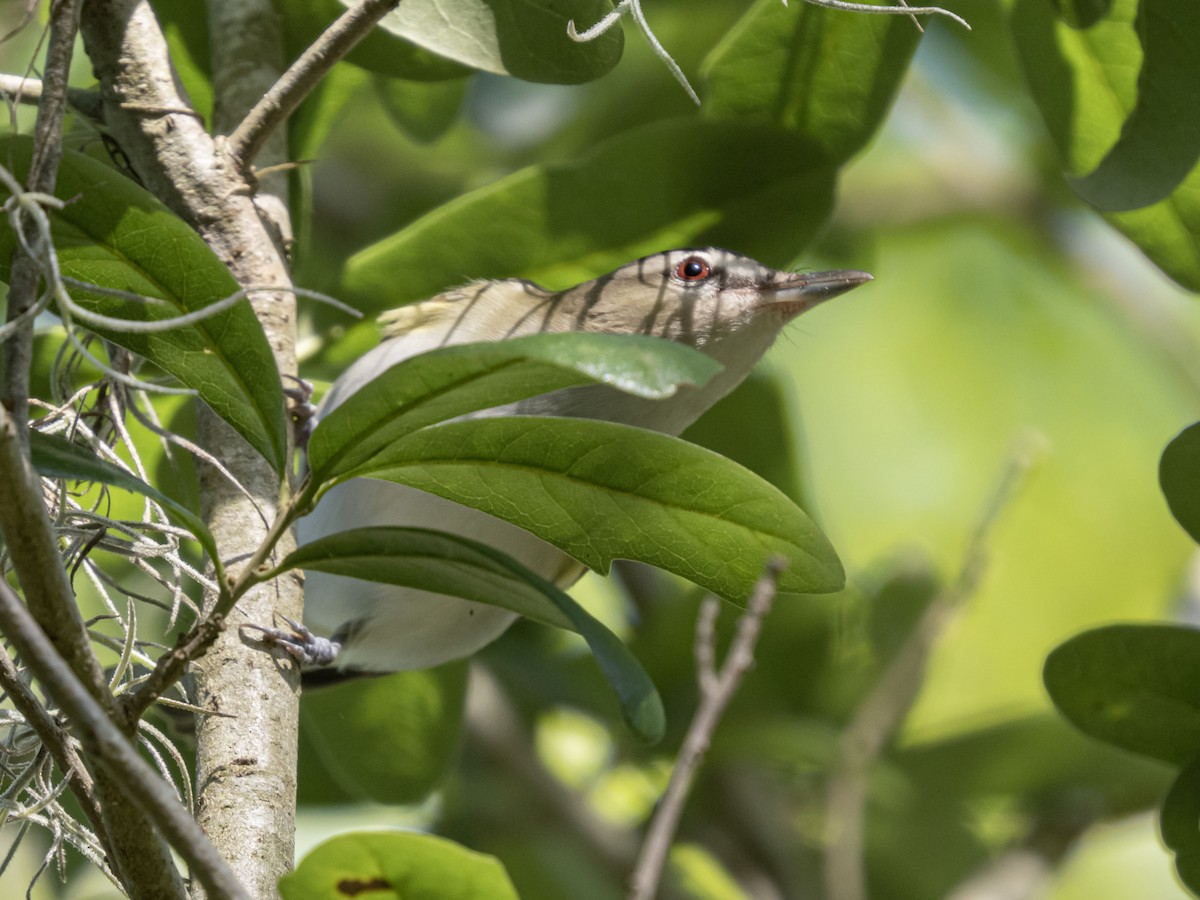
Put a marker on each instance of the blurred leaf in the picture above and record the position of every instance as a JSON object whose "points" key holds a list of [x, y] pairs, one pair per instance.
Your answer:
{"points": [[1160, 140], [57, 457], [414, 718], [600, 492], [673, 183], [448, 564], [185, 26], [450, 381], [422, 110], [825, 74], [1082, 13], [114, 234], [523, 38], [695, 871], [380, 52], [311, 123], [1179, 477], [1180, 823], [1135, 686], [396, 866], [1087, 85]]}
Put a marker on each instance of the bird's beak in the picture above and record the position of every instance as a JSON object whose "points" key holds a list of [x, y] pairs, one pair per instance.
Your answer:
{"points": [[791, 293]]}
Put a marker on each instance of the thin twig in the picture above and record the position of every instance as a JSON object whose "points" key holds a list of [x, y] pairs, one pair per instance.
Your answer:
{"points": [[882, 710], [107, 746], [29, 90], [716, 690], [902, 10], [302, 76]]}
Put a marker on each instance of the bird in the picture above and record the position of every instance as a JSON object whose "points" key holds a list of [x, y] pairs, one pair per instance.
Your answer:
{"points": [[723, 304]]}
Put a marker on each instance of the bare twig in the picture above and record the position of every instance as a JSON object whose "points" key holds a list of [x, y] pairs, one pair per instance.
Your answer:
{"points": [[893, 694], [29, 90], [107, 746], [902, 10], [302, 76], [716, 690], [634, 8]]}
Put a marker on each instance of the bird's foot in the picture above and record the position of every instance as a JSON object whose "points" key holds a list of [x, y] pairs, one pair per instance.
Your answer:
{"points": [[305, 647], [301, 410]]}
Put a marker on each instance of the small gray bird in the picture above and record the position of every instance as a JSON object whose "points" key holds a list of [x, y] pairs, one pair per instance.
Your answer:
{"points": [[725, 305]]}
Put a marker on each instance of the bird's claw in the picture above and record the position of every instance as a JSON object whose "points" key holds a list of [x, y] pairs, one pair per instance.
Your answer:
{"points": [[301, 410], [301, 644]]}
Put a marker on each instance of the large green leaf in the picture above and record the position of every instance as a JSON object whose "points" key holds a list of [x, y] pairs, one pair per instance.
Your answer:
{"points": [[416, 716], [1107, 95], [57, 457], [600, 492], [1135, 686], [451, 381], [524, 38], [826, 74], [1180, 824], [1160, 140], [1179, 477], [114, 234], [672, 183], [423, 111], [396, 866], [447, 564]]}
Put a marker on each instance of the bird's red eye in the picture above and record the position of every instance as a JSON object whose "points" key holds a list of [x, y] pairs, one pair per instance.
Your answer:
{"points": [[694, 268]]}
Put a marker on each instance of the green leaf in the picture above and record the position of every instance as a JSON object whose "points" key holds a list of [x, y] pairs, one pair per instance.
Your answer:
{"points": [[600, 492], [396, 866], [1135, 686], [57, 457], [423, 111], [447, 564], [1082, 13], [523, 38], [380, 52], [1179, 477], [114, 234], [1160, 140], [1180, 823], [416, 716], [669, 184], [1087, 85], [451, 381], [825, 74]]}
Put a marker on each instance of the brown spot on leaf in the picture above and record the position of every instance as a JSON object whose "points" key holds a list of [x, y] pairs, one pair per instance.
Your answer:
{"points": [[353, 887]]}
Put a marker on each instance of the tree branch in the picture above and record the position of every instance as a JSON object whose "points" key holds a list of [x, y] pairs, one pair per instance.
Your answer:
{"points": [[716, 690], [246, 757], [301, 77]]}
